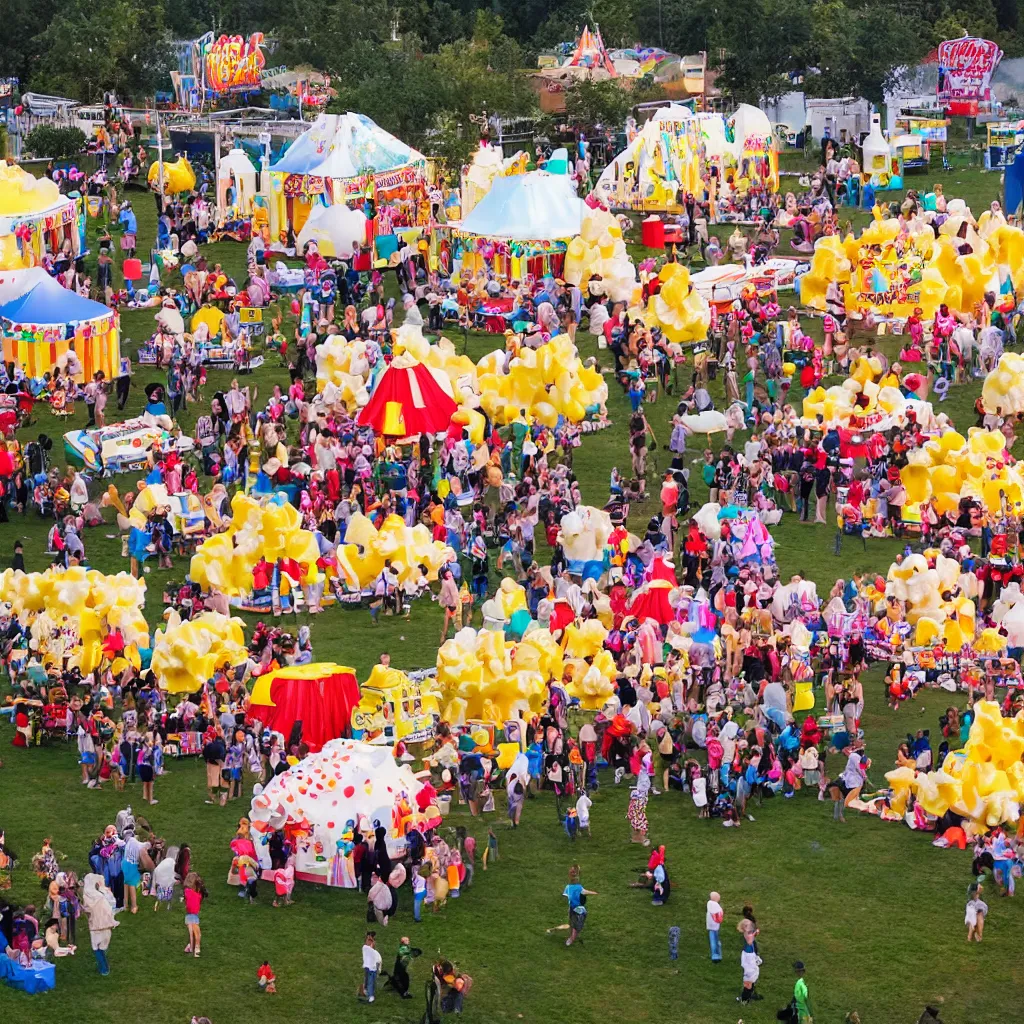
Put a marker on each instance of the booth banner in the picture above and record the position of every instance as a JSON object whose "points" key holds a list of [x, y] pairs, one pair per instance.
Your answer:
{"points": [[298, 185], [386, 179], [47, 222], [966, 67]]}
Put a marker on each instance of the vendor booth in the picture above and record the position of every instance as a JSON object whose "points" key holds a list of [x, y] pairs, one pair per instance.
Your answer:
{"points": [[670, 155], [39, 325], [36, 220], [347, 158], [317, 697], [521, 226]]}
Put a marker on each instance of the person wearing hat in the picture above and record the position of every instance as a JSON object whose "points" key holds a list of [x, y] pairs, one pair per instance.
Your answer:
{"points": [[801, 997]]}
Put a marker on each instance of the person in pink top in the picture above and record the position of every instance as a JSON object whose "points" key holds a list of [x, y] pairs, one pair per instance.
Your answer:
{"points": [[195, 893]]}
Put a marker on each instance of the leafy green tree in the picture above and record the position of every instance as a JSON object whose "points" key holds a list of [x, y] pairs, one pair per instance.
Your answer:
{"points": [[597, 103], [88, 49], [53, 142], [764, 40]]}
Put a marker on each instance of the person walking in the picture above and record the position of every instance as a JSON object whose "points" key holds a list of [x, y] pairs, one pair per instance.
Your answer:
{"points": [[96, 901], [214, 753], [371, 967], [124, 381]]}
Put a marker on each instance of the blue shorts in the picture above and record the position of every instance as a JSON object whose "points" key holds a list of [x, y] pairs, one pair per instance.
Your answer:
{"points": [[88, 758], [131, 873], [191, 919]]}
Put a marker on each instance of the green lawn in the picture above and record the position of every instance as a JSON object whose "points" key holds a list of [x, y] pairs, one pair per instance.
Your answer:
{"points": [[874, 911]]}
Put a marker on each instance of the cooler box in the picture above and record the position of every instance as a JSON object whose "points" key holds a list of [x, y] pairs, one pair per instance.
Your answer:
{"points": [[652, 233]]}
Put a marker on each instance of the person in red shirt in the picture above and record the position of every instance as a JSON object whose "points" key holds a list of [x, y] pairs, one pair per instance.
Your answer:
{"points": [[266, 979], [195, 893]]}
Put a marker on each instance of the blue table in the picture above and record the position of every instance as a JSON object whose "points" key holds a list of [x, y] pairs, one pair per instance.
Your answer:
{"points": [[39, 977]]}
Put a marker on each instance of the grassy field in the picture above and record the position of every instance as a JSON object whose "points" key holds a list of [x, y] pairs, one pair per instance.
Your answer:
{"points": [[874, 911]]}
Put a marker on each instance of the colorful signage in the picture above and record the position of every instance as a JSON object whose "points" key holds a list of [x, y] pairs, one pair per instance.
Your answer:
{"points": [[965, 74], [233, 63], [931, 129]]}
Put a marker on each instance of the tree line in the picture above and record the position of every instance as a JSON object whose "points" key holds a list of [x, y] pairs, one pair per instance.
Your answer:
{"points": [[420, 68]]}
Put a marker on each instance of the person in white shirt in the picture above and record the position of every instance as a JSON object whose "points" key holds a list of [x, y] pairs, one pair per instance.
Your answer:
{"points": [[713, 922], [583, 805], [371, 966]]}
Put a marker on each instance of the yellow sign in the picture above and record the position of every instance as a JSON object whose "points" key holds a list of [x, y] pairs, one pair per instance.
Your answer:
{"points": [[250, 315]]}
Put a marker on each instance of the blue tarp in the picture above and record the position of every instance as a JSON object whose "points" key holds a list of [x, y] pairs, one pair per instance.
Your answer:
{"points": [[49, 303], [527, 207]]}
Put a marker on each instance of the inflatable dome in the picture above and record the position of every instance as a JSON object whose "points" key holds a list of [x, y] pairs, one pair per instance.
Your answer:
{"points": [[337, 231], [21, 193], [324, 801]]}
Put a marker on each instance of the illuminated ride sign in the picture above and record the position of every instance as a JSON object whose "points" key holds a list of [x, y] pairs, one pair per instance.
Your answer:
{"points": [[232, 63], [966, 67]]}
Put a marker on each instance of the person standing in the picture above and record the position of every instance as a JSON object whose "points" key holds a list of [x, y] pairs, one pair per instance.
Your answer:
{"points": [[90, 401], [371, 966], [801, 997], [124, 380], [214, 753], [713, 923], [96, 901]]}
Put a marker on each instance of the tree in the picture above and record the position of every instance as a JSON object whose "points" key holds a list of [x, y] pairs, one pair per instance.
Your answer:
{"points": [[89, 49], [597, 103], [758, 59], [51, 142]]}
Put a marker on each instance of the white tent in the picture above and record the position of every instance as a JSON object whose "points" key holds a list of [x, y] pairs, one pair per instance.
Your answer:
{"points": [[527, 207], [237, 174], [337, 230]]}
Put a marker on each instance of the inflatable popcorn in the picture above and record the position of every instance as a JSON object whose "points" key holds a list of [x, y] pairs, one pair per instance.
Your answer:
{"points": [[678, 309], [484, 676], [343, 372], [599, 250], [984, 782], [187, 654], [955, 467], [178, 176], [1003, 390], [273, 531], [73, 612], [583, 534], [361, 558], [891, 277]]}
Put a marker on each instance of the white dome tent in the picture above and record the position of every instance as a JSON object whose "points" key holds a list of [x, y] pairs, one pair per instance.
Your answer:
{"points": [[236, 184]]}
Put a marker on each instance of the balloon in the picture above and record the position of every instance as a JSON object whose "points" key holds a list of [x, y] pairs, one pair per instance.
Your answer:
{"points": [[295, 307]]}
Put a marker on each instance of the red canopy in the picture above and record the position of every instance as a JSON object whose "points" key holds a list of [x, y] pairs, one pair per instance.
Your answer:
{"points": [[320, 696], [651, 602], [425, 408]]}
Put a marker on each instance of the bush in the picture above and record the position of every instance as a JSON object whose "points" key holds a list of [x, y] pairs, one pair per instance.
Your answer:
{"points": [[55, 143]]}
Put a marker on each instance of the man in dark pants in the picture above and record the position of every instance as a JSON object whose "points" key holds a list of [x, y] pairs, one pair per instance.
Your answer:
{"points": [[124, 380]]}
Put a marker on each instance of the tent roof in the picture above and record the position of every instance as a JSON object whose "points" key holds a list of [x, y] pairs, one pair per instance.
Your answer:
{"points": [[527, 206], [48, 303], [425, 408], [590, 52], [345, 146]]}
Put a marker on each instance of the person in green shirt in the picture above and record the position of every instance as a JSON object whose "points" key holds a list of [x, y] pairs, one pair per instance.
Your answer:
{"points": [[800, 995]]}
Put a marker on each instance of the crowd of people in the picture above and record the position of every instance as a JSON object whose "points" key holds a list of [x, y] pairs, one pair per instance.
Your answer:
{"points": [[712, 653]]}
